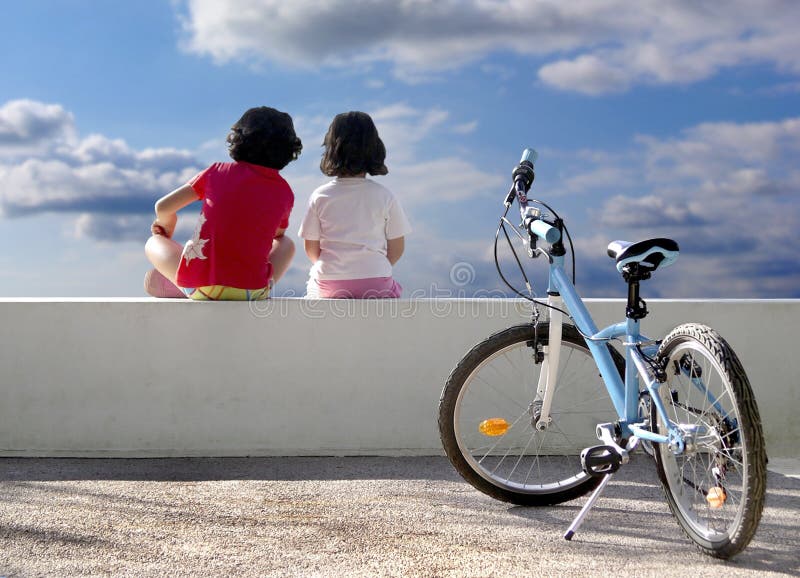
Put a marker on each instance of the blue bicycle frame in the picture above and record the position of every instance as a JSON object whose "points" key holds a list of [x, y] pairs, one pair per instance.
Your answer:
{"points": [[625, 396]]}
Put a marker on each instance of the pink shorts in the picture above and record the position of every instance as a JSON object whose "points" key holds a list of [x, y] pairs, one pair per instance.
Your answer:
{"points": [[372, 288]]}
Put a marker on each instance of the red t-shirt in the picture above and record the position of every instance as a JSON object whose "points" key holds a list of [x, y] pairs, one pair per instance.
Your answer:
{"points": [[243, 206]]}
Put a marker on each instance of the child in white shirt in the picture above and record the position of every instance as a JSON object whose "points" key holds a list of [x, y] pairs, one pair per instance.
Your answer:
{"points": [[354, 228]]}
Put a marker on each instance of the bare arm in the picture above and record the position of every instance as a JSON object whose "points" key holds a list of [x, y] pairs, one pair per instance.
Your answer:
{"points": [[167, 208], [281, 254], [395, 248], [312, 250]]}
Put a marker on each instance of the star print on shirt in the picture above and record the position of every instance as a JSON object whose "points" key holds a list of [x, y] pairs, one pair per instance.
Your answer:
{"points": [[194, 246]]}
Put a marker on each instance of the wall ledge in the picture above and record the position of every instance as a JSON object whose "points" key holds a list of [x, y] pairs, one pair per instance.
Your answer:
{"points": [[143, 377]]}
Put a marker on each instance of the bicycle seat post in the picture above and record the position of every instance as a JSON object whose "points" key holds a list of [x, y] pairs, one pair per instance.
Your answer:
{"points": [[633, 274]]}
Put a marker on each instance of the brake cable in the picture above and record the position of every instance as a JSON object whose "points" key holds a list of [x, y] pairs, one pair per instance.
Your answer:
{"points": [[502, 226]]}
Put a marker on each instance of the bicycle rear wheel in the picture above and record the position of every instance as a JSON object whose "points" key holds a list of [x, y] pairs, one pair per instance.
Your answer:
{"points": [[495, 383], [715, 487]]}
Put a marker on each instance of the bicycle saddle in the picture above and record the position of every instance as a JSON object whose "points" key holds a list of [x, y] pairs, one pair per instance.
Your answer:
{"points": [[650, 253]]}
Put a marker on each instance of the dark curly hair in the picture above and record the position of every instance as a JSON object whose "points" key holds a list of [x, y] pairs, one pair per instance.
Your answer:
{"points": [[264, 136], [353, 147]]}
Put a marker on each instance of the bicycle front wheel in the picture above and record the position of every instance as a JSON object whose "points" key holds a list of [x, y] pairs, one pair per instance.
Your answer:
{"points": [[715, 486], [489, 409]]}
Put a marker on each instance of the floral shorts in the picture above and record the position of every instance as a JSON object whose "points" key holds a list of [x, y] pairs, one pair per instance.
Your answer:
{"points": [[223, 293]]}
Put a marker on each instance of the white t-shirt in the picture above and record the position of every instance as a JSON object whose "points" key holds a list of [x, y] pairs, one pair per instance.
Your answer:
{"points": [[352, 218]]}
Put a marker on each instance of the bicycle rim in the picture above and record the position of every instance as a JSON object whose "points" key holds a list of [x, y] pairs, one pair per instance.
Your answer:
{"points": [[524, 460]]}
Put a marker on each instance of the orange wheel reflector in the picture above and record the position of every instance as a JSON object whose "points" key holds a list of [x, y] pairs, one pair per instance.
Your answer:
{"points": [[716, 497], [495, 426]]}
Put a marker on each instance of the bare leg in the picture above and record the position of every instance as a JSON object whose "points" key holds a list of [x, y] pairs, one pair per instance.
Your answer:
{"points": [[164, 254], [280, 256]]}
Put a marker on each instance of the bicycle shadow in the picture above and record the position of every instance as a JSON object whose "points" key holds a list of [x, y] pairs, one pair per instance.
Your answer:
{"points": [[633, 507]]}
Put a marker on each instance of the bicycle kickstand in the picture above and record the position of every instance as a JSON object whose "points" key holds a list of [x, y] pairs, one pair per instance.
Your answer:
{"points": [[576, 523]]}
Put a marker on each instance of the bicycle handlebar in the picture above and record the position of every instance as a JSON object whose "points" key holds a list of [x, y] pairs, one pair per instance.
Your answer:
{"points": [[529, 155], [523, 176], [533, 223], [523, 179], [544, 231]]}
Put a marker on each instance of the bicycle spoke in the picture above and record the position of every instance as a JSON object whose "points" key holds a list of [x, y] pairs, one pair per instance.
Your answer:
{"points": [[498, 392], [530, 439]]}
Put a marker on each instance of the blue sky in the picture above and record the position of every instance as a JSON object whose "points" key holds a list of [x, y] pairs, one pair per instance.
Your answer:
{"points": [[677, 119]]}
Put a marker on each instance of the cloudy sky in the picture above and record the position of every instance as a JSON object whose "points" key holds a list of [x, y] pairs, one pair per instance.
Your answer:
{"points": [[668, 118]]}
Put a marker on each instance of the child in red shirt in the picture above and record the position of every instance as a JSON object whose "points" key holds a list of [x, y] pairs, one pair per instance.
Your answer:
{"points": [[238, 249]]}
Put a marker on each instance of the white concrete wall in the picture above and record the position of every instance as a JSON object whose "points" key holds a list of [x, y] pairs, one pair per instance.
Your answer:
{"points": [[178, 378]]}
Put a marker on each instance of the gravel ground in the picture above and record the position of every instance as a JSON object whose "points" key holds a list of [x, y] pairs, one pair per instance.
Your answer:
{"points": [[346, 517]]}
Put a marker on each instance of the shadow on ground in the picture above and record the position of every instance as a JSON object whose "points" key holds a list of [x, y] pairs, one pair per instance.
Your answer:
{"points": [[346, 516]]}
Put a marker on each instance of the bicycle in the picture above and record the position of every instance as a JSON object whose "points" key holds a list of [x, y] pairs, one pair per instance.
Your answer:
{"points": [[521, 412]]}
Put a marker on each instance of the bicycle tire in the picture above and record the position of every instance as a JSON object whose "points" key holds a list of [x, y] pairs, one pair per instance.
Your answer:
{"points": [[707, 387], [458, 419]]}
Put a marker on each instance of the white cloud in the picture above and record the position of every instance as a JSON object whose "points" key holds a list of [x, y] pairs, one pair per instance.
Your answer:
{"points": [[611, 44], [727, 193], [780, 89], [722, 166], [46, 167], [27, 126], [113, 228], [426, 180], [712, 153], [38, 185], [587, 73], [402, 128], [649, 212], [445, 179], [601, 178], [466, 127]]}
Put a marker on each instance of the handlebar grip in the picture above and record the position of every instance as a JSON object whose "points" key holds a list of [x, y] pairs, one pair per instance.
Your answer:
{"points": [[544, 231], [529, 155]]}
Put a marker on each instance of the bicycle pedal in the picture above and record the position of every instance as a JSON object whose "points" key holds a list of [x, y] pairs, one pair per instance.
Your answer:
{"points": [[600, 460]]}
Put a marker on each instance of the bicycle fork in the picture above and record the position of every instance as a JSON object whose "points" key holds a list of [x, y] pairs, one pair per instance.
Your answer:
{"points": [[548, 376]]}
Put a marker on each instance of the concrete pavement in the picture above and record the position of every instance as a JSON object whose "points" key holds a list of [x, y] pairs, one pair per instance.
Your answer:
{"points": [[346, 517]]}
